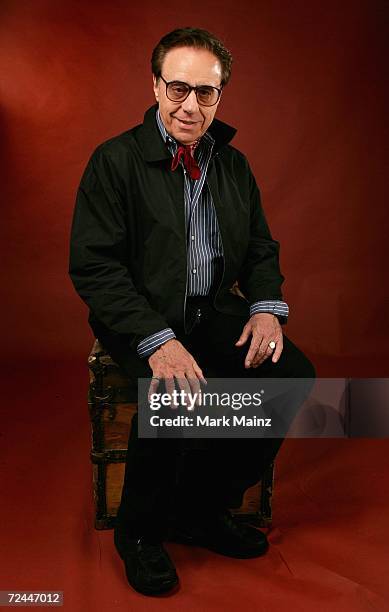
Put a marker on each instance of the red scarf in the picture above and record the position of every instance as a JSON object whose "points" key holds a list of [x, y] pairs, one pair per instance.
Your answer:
{"points": [[186, 153]]}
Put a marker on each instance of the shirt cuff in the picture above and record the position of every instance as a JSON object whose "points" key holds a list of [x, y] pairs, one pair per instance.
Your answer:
{"points": [[151, 343], [276, 307]]}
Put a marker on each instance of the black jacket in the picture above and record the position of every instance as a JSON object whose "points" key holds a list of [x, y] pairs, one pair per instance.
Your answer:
{"points": [[128, 257]]}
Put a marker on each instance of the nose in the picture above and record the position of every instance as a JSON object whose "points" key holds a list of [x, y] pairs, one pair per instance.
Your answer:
{"points": [[190, 105]]}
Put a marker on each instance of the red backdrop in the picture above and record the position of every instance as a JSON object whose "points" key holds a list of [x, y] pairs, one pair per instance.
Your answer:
{"points": [[307, 96]]}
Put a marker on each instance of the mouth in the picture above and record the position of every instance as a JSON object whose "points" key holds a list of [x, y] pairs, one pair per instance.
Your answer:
{"points": [[185, 122]]}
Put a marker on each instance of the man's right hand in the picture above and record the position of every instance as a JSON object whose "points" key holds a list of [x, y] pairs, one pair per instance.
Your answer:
{"points": [[171, 360]]}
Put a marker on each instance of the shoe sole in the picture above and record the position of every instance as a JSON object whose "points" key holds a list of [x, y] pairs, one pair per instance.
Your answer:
{"points": [[163, 590]]}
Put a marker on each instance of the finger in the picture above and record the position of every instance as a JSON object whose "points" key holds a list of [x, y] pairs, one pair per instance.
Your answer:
{"points": [[202, 381], [244, 336], [183, 385], [195, 387], [193, 379], [278, 350], [269, 351], [199, 373], [170, 387], [152, 388], [264, 351], [262, 359], [251, 352]]}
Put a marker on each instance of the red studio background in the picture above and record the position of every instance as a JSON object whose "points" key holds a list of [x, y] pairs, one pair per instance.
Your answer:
{"points": [[308, 96]]}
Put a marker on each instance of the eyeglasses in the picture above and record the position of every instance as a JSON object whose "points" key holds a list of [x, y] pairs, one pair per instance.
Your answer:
{"points": [[177, 91]]}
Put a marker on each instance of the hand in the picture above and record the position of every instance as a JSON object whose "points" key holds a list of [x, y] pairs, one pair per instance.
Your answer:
{"points": [[264, 327], [171, 360]]}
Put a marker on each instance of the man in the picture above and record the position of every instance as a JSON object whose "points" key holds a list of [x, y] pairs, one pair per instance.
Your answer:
{"points": [[168, 218]]}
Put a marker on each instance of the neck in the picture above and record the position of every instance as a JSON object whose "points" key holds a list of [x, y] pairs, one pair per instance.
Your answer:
{"points": [[192, 145]]}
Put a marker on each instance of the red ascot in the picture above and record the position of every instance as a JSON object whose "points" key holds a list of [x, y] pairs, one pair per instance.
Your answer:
{"points": [[185, 152]]}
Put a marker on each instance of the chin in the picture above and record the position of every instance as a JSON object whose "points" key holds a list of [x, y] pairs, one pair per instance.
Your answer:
{"points": [[192, 136], [189, 140], [185, 138]]}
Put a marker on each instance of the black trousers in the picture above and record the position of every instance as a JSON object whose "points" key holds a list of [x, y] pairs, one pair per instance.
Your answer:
{"points": [[166, 476]]}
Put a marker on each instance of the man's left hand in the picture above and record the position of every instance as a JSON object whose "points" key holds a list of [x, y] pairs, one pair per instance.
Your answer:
{"points": [[263, 328]]}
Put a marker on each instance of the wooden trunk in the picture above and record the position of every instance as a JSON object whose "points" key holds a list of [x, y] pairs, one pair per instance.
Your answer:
{"points": [[112, 405]]}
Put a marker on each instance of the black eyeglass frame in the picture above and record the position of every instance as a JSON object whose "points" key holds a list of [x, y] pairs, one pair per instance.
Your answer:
{"points": [[167, 83]]}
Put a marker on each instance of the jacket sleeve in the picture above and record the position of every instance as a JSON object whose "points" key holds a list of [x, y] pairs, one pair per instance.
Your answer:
{"points": [[260, 278], [99, 254]]}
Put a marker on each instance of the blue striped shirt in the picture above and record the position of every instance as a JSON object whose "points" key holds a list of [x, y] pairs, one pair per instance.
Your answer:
{"points": [[205, 249]]}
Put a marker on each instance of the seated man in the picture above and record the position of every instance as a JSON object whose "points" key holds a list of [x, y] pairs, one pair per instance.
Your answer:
{"points": [[168, 217]]}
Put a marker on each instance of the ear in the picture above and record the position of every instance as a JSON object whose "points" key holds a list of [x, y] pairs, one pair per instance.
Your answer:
{"points": [[156, 87]]}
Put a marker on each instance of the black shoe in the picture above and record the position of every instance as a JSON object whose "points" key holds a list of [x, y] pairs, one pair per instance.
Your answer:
{"points": [[149, 568], [224, 534]]}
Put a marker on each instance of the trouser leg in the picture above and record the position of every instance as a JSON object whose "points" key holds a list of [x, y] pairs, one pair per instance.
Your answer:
{"points": [[150, 470], [214, 473], [221, 473], [150, 477]]}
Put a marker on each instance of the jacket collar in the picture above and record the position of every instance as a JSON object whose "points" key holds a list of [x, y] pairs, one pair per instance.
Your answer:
{"points": [[153, 147]]}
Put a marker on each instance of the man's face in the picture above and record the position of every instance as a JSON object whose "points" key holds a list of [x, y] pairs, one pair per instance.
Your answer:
{"points": [[186, 121]]}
